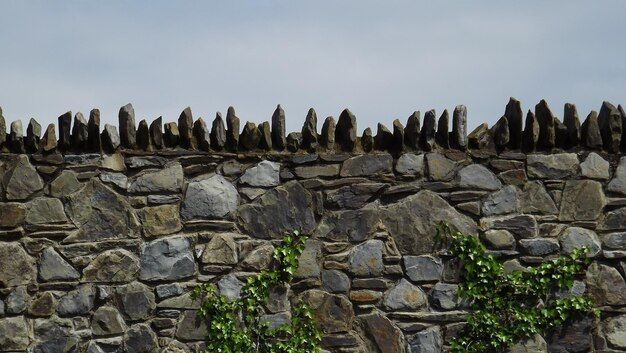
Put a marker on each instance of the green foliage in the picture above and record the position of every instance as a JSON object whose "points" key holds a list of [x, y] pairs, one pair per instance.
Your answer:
{"points": [[236, 326], [507, 308]]}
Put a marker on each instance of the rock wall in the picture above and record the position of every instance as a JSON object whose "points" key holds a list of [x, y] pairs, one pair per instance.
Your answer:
{"points": [[99, 251]]}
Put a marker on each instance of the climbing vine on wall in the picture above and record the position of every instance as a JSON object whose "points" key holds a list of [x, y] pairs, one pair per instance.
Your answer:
{"points": [[507, 308], [237, 325]]}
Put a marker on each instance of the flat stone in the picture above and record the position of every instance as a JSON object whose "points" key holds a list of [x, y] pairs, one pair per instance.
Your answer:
{"points": [[439, 167], [424, 268], [42, 305], [230, 287], [614, 220], [426, 341], [335, 281], [499, 239], [278, 211], [405, 296], [16, 267], [410, 164], [221, 250], [264, 174], [165, 291], [534, 344], [573, 337], [118, 179], [12, 214], [367, 165], [168, 179], [107, 321], [366, 259], [539, 246], [333, 313], [14, 333], [17, 300], [211, 198], [521, 226], [77, 302], [160, 220], [618, 183], [552, 166], [54, 335], [310, 260], [45, 211], [307, 172], [259, 258], [615, 241], [535, 199], [135, 301], [615, 331], [445, 296], [575, 237], [503, 201], [115, 265], [353, 225], [52, 267], [353, 196], [114, 162], [140, 338], [21, 179], [476, 176], [606, 285], [582, 200], [387, 337], [190, 328], [65, 184], [167, 260], [596, 167]]}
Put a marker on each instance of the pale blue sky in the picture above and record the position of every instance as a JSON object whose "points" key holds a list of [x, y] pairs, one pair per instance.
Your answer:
{"points": [[381, 59]]}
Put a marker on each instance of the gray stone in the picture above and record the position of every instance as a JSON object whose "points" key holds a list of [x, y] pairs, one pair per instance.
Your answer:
{"points": [[459, 128], [426, 341], [521, 226], [167, 260], [264, 174], [535, 344], [445, 296], [535, 199], [440, 168], [221, 250], [114, 162], [332, 312], [539, 246], [211, 198], [307, 172], [310, 260], [77, 302], [405, 296], [614, 220], [335, 281], [14, 334], [118, 179], [410, 164], [279, 211], [110, 138], [135, 301], [52, 267], [552, 166], [501, 134], [140, 339], [366, 259], [115, 265], [615, 329], [168, 179], [367, 165], [499, 239], [279, 140], [12, 214], [42, 305], [190, 328], [476, 176], [65, 184], [424, 268], [218, 133], [427, 135], [160, 220], [576, 237], [503, 201], [276, 320], [171, 137], [353, 196], [17, 300], [45, 211], [606, 285], [530, 137], [596, 167], [582, 200], [107, 321], [259, 258], [21, 179], [615, 241], [165, 291], [345, 131], [127, 126], [16, 267], [54, 335], [387, 337], [618, 183], [353, 225], [230, 287], [412, 131]]}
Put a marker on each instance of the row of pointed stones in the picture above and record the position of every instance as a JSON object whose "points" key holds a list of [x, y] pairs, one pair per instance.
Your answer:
{"points": [[541, 131]]}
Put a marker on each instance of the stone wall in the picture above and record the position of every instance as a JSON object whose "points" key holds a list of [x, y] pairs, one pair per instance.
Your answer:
{"points": [[99, 251]]}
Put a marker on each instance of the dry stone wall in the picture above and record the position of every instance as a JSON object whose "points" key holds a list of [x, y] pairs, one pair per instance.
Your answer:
{"points": [[99, 251]]}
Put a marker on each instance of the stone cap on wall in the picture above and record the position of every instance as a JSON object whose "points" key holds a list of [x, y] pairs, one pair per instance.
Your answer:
{"points": [[541, 130]]}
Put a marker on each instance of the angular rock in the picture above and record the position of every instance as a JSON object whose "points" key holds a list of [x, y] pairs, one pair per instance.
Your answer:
{"points": [[552, 166], [367, 140], [80, 133], [539, 246], [171, 136], [521, 226], [110, 138], [190, 328], [367, 165], [230, 287], [412, 131], [445, 296], [353, 196], [480, 137], [221, 250], [535, 199], [534, 344], [156, 133], [530, 137], [427, 135], [503, 201], [606, 285], [310, 260], [64, 124], [52, 267], [426, 341], [185, 129], [387, 337], [345, 131], [21, 180], [458, 137], [615, 241], [42, 305], [327, 135], [65, 184], [93, 131], [335, 281], [107, 321], [442, 137], [33, 132], [259, 258], [166, 260], [218, 133], [14, 333], [615, 329], [498, 239], [17, 300], [232, 130], [143, 136], [410, 164], [547, 134], [77, 302], [48, 142], [309, 130], [590, 132], [353, 225], [250, 137], [596, 167], [135, 301], [514, 117], [126, 117], [383, 139], [424, 268], [211, 198], [279, 140], [440, 168], [614, 220], [610, 121], [405, 296], [140, 339], [582, 200], [575, 237], [16, 137], [500, 132], [265, 143], [45, 211], [333, 313], [12, 214], [476, 176], [561, 133], [366, 259], [168, 179], [264, 174], [294, 141], [3, 129], [160, 220], [618, 183], [571, 120], [202, 135], [116, 265]]}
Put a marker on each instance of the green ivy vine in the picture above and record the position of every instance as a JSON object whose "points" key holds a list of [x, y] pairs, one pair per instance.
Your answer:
{"points": [[506, 308], [236, 326]]}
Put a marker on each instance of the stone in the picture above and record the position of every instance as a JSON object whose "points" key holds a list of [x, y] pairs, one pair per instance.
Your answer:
{"points": [[412, 131], [530, 137], [458, 138], [590, 132], [12, 214], [442, 135], [387, 337], [480, 137], [94, 144], [606, 285], [113, 162], [44, 211], [327, 135], [190, 328], [427, 135], [54, 335], [80, 133], [410, 164], [3, 129], [166, 260], [99, 213], [545, 117], [405, 296], [264, 174], [610, 122], [353, 225], [367, 165], [575, 336], [110, 138], [345, 131], [171, 135], [135, 300], [499, 239], [65, 184], [294, 141], [575, 237], [17, 300], [278, 211], [423, 268], [596, 167], [16, 267], [140, 338], [397, 144], [552, 166], [33, 132], [221, 250], [383, 139], [107, 321], [534, 344], [259, 258], [250, 137], [218, 133], [503, 201], [52, 267], [413, 221], [614, 220], [571, 120], [367, 140], [168, 179], [535, 199], [165, 291], [440, 168], [128, 133], [353, 196], [615, 329], [279, 140], [77, 302], [514, 116], [14, 333], [160, 220], [309, 130], [211, 198], [615, 241], [156, 133], [476, 176], [308, 172], [521, 226], [48, 142], [185, 129], [202, 135], [143, 136], [16, 137], [366, 259], [618, 183], [539, 246], [445, 296], [582, 200], [426, 341], [118, 179], [42, 305], [561, 133], [64, 123], [230, 287], [332, 312], [21, 180], [310, 260], [276, 320], [116, 265], [335, 281], [500, 132]]}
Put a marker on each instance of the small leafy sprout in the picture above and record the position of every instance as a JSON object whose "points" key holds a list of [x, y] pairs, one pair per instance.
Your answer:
{"points": [[507, 308]]}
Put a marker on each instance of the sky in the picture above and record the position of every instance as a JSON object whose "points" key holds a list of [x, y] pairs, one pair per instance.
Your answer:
{"points": [[380, 59]]}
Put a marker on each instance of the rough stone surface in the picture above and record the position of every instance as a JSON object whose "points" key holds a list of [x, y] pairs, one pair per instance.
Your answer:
{"points": [[535, 199], [367, 259], [334, 313], [410, 164], [424, 268], [476, 176], [16, 266], [552, 166], [426, 341], [52, 267], [618, 183], [214, 197], [405, 296], [221, 250], [387, 337], [168, 179], [596, 167], [616, 331], [115, 265], [264, 174], [107, 321], [583, 200], [367, 165], [503, 201], [168, 259], [606, 285], [440, 168], [576, 237], [14, 333], [21, 179]]}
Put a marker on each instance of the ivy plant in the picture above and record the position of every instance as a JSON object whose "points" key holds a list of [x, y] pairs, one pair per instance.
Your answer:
{"points": [[237, 325], [507, 308]]}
